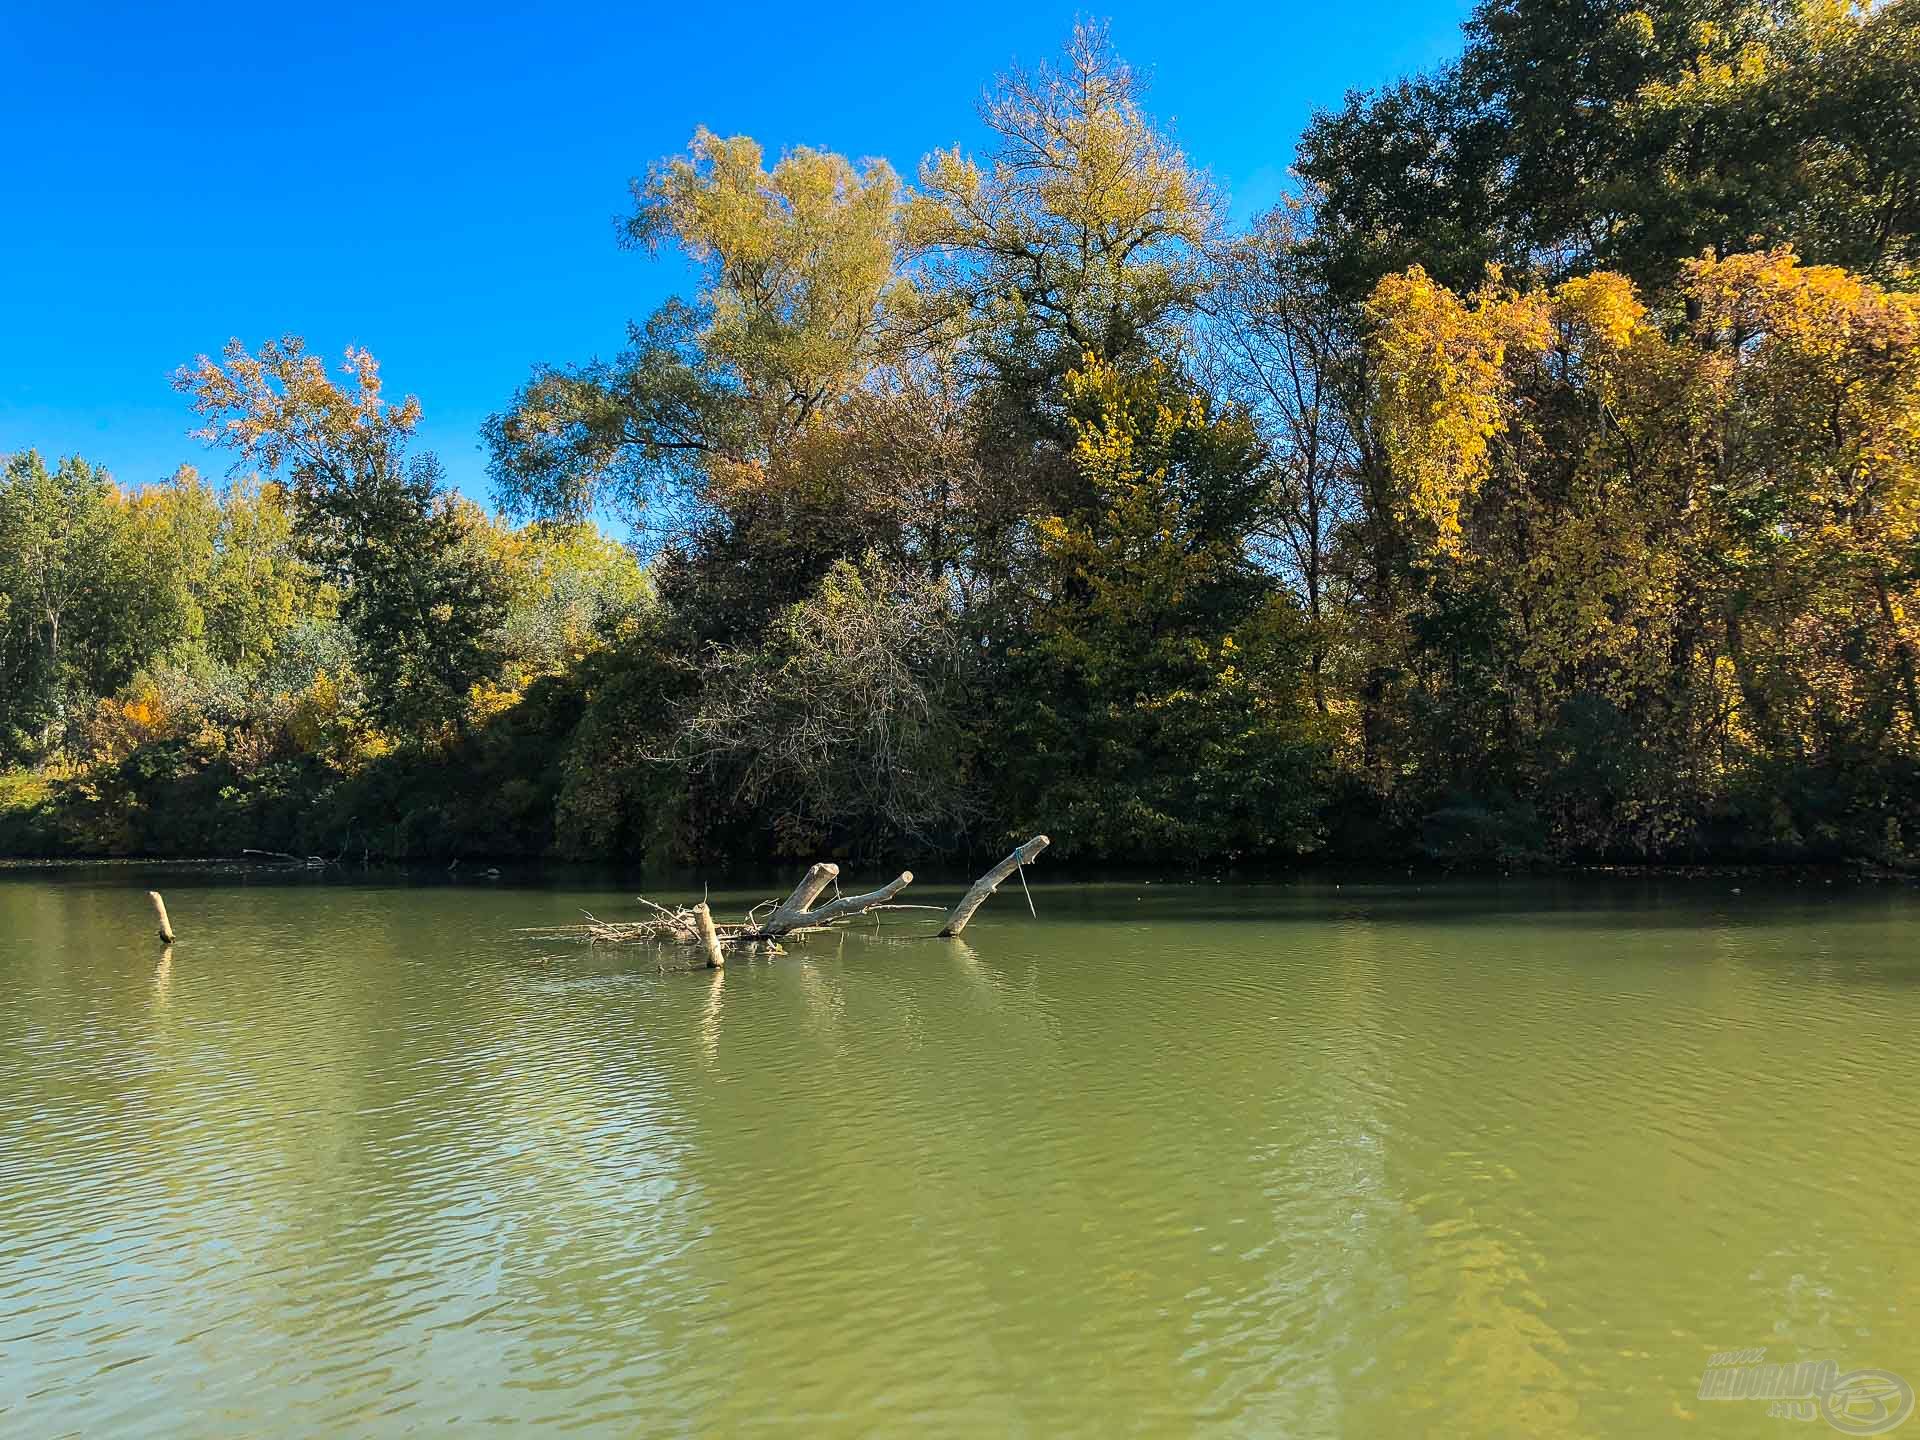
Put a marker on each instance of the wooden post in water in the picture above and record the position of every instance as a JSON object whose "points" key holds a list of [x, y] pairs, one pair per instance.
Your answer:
{"points": [[160, 913], [703, 917], [990, 882]]}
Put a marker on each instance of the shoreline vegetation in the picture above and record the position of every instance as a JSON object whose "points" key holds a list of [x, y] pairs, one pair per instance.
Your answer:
{"points": [[1537, 486]]}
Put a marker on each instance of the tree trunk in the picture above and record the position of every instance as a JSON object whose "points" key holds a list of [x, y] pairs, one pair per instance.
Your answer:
{"points": [[1901, 648], [703, 919], [785, 920], [990, 882], [1751, 694], [160, 914], [790, 911]]}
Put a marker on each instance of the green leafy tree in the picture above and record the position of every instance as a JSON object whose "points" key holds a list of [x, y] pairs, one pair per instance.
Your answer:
{"points": [[1630, 135], [1153, 695], [89, 596], [258, 588], [417, 590]]}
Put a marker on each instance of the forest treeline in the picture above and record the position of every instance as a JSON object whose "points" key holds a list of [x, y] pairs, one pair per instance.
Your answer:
{"points": [[1540, 481]]}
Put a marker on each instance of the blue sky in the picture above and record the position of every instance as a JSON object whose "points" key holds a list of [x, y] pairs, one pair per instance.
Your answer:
{"points": [[439, 184]]}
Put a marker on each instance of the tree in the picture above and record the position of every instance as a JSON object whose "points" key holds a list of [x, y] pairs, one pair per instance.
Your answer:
{"points": [[1630, 135], [378, 523], [1282, 347], [1084, 232], [1152, 701], [570, 591], [844, 727], [258, 588], [89, 597], [1816, 475], [801, 299], [1698, 542]]}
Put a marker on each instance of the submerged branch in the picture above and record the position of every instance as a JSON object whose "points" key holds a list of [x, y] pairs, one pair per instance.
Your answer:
{"points": [[694, 925]]}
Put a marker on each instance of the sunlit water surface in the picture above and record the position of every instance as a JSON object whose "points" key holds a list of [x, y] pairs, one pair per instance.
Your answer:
{"points": [[1441, 1159]]}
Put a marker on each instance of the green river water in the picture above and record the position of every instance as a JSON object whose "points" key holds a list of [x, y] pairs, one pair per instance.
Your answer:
{"points": [[1303, 1159]]}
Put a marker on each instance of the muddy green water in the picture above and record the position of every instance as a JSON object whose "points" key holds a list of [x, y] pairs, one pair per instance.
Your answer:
{"points": [[1296, 1160]]}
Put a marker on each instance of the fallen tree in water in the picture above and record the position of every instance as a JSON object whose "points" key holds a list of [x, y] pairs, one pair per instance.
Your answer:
{"points": [[768, 923], [1022, 856]]}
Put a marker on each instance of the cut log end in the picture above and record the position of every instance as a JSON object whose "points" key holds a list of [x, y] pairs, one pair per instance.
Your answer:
{"points": [[792, 911]]}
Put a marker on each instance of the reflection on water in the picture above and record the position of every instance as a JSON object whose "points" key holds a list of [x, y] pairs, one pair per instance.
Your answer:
{"points": [[1423, 1160]]}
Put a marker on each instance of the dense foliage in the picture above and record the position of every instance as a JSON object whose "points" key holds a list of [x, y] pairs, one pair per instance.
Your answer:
{"points": [[1540, 482]]}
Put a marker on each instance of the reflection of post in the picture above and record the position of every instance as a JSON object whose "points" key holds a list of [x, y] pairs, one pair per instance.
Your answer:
{"points": [[990, 882], [160, 913], [988, 985], [822, 988], [710, 1017], [163, 976]]}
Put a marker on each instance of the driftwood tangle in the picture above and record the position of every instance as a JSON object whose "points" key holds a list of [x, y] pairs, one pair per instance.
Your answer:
{"points": [[841, 909], [795, 915]]}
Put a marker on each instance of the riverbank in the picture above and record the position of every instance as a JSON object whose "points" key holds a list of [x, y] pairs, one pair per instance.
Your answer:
{"points": [[465, 820]]}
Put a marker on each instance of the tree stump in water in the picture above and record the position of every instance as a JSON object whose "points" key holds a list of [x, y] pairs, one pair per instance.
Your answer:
{"points": [[703, 918], [160, 914], [792, 912]]}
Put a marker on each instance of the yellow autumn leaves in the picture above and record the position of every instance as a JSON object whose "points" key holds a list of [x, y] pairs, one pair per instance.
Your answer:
{"points": [[1756, 446], [1828, 359]]}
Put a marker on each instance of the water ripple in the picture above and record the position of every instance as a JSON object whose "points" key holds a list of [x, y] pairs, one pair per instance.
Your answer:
{"points": [[1451, 1160]]}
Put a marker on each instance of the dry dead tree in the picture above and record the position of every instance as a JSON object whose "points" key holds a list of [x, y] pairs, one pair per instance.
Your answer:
{"points": [[695, 925], [844, 908], [817, 878], [709, 938], [796, 915], [160, 914], [990, 882]]}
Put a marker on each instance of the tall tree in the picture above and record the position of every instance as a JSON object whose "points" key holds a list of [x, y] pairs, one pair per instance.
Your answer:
{"points": [[1083, 233], [800, 299], [1632, 135], [1281, 346], [89, 597], [379, 522], [1152, 694]]}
